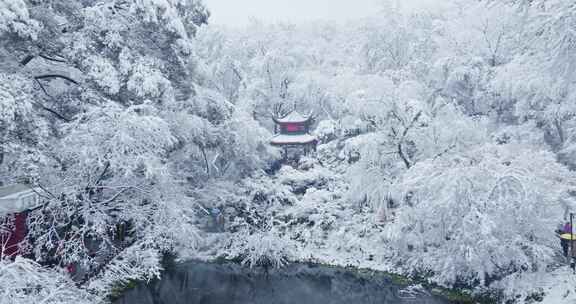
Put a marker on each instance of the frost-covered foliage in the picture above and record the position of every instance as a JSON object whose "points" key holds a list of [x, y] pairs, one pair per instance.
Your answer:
{"points": [[23, 132], [127, 140], [487, 209], [265, 247], [136, 263], [24, 281], [551, 287], [248, 144], [15, 18], [413, 137]]}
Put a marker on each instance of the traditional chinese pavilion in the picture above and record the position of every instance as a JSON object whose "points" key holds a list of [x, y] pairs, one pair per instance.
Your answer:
{"points": [[15, 202], [293, 132]]}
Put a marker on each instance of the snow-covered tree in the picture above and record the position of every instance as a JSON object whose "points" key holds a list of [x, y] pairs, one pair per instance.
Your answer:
{"points": [[24, 281], [482, 213]]}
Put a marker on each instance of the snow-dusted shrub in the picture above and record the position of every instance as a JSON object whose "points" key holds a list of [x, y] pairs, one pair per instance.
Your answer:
{"points": [[266, 247], [373, 176], [306, 163], [353, 126], [262, 190], [555, 286], [317, 196], [249, 150], [527, 133], [350, 150], [138, 262], [146, 79], [131, 140], [326, 131], [15, 18], [104, 74], [25, 282], [307, 206], [420, 133], [484, 213], [300, 181]]}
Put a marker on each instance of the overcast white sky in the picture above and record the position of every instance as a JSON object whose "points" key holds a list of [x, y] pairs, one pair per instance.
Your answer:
{"points": [[239, 12]]}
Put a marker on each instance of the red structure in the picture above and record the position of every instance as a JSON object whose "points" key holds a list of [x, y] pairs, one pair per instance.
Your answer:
{"points": [[293, 132], [13, 231], [15, 202]]}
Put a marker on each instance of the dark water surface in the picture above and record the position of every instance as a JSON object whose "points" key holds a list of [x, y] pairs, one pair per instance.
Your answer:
{"points": [[206, 283]]}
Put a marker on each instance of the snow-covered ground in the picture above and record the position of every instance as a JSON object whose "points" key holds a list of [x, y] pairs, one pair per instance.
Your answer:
{"points": [[557, 286]]}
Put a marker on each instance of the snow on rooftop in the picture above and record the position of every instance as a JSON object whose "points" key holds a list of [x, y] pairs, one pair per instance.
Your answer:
{"points": [[293, 117], [285, 139], [12, 190], [17, 198]]}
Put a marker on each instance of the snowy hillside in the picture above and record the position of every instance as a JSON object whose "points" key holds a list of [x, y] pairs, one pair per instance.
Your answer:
{"points": [[307, 214]]}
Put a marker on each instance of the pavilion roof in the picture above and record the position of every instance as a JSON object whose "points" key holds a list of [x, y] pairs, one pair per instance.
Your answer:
{"points": [[12, 189], [293, 117], [13, 198]]}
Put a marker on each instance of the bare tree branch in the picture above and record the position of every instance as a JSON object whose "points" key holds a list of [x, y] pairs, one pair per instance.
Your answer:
{"points": [[57, 114], [203, 150], [403, 156], [104, 171], [452, 146], [27, 60], [412, 123], [57, 76], [51, 58]]}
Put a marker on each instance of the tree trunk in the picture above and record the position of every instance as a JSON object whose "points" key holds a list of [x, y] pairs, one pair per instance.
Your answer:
{"points": [[205, 160], [560, 131], [403, 156], [1, 156]]}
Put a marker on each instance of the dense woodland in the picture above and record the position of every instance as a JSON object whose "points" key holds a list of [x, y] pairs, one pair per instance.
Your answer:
{"points": [[447, 140]]}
